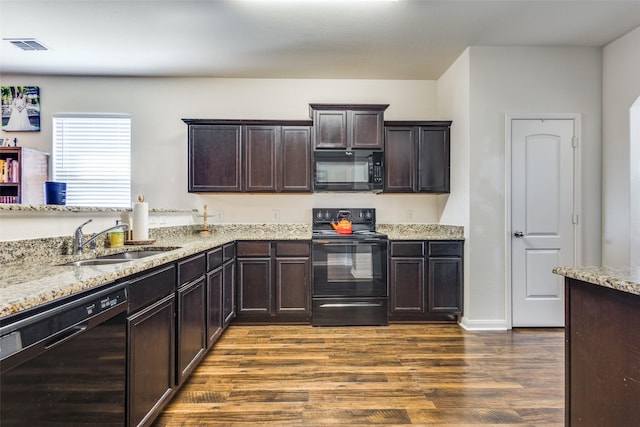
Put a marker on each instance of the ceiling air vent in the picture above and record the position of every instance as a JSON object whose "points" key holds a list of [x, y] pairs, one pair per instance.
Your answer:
{"points": [[27, 44]]}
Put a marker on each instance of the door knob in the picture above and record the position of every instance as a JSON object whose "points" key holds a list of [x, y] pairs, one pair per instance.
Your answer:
{"points": [[518, 234]]}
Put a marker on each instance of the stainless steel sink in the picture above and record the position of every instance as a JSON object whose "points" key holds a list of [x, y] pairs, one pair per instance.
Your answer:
{"points": [[95, 261], [126, 256], [118, 258]]}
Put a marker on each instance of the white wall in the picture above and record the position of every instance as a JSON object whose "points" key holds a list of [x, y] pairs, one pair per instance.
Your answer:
{"points": [[454, 102], [476, 92], [159, 152], [523, 81], [621, 158]]}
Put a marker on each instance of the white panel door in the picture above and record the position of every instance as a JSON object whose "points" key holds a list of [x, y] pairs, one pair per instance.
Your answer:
{"points": [[542, 216]]}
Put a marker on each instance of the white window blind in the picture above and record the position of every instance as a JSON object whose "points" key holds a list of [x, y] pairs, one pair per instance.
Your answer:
{"points": [[92, 154]]}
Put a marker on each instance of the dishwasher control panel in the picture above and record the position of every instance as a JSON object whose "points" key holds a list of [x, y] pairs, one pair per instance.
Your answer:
{"points": [[58, 321]]}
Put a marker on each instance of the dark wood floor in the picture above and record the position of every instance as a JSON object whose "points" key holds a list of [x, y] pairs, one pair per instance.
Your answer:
{"points": [[365, 376]]}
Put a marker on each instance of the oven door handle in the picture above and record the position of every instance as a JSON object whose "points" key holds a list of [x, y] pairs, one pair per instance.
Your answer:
{"points": [[347, 242], [351, 304]]}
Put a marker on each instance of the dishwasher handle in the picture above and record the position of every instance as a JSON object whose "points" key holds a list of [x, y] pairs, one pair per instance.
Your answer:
{"points": [[65, 336]]}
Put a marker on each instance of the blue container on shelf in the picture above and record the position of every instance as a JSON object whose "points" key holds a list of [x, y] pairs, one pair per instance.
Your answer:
{"points": [[55, 193]]}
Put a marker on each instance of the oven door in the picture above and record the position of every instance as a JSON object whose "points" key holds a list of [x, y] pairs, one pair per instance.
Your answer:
{"points": [[349, 268]]}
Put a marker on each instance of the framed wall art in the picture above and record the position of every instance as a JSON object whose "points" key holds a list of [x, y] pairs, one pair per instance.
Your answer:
{"points": [[20, 108]]}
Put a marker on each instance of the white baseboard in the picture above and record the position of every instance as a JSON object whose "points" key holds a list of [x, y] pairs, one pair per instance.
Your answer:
{"points": [[484, 325]]}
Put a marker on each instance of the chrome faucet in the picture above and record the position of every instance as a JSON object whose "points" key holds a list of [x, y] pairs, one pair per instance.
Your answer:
{"points": [[79, 244]]}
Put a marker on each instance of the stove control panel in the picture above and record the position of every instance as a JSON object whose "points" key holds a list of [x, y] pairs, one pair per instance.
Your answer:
{"points": [[355, 215]]}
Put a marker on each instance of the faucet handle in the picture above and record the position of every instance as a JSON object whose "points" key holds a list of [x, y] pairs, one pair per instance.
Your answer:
{"points": [[85, 223]]}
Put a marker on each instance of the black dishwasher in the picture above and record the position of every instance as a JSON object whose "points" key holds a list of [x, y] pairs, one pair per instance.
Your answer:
{"points": [[64, 364]]}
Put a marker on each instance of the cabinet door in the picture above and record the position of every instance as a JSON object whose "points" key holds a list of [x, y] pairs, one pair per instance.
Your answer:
{"points": [[400, 159], [215, 158], [330, 128], [406, 288], [191, 327], [293, 289], [214, 305], [260, 147], [433, 160], [295, 159], [445, 285], [228, 292], [254, 288], [150, 360], [367, 129]]}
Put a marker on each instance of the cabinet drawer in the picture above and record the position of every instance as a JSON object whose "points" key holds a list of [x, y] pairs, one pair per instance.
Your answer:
{"points": [[407, 249], [214, 258], [151, 287], [228, 252], [191, 268], [445, 248], [293, 248], [257, 248]]}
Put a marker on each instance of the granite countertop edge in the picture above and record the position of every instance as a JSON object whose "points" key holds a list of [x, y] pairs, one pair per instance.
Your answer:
{"points": [[28, 283], [625, 279]]}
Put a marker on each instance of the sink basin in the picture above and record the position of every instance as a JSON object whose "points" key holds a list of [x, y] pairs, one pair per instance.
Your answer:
{"points": [[95, 261], [126, 256], [118, 258]]}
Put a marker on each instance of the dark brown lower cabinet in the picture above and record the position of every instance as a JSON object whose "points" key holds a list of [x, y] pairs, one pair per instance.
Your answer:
{"points": [[151, 362], [228, 292], [602, 356], [150, 344], [214, 305], [274, 281], [254, 288], [192, 343], [425, 281]]}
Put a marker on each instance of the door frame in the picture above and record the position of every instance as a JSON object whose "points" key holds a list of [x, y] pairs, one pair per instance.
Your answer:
{"points": [[577, 196]]}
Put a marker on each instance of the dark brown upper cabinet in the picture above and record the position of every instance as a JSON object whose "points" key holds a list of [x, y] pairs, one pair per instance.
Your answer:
{"points": [[295, 159], [417, 157], [249, 156], [348, 126], [215, 158], [260, 148]]}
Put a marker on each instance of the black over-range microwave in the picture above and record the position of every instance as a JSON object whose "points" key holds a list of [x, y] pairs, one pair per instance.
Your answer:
{"points": [[340, 170]]}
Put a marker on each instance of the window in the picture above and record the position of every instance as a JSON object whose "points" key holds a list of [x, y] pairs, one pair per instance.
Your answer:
{"points": [[92, 154]]}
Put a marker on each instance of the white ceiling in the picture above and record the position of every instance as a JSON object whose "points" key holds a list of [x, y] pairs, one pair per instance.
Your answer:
{"points": [[407, 39]]}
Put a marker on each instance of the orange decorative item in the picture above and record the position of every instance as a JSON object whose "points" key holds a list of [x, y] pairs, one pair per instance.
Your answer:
{"points": [[342, 227]]}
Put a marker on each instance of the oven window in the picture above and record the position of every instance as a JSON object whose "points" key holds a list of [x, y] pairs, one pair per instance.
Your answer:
{"points": [[357, 265], [350, 269], [356, 171]]}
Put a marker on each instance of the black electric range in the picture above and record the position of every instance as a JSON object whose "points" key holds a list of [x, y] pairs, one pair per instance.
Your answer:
{"points": [[349, 270]]}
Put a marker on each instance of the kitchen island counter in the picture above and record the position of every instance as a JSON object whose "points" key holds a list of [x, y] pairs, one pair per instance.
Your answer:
{"points": [[602, 346], [625, 279]]}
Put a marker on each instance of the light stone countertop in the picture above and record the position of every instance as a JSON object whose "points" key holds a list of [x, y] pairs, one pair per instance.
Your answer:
{"points": [[32, 281], [421, 231], [36, 277], [625, 279]]}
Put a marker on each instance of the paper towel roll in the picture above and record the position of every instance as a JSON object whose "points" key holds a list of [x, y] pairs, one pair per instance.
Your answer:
{"points": [[140, 221]]}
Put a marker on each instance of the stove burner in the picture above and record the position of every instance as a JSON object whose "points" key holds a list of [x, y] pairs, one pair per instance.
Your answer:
{"points": [[363, 222]]}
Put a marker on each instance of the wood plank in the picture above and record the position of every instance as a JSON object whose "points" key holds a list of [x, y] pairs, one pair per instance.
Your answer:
{"points": [[436, 375]]}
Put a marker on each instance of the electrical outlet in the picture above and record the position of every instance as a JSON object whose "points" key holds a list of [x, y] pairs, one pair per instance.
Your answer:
{"points": [[276, 215], [410, 215], [221, 216]]}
